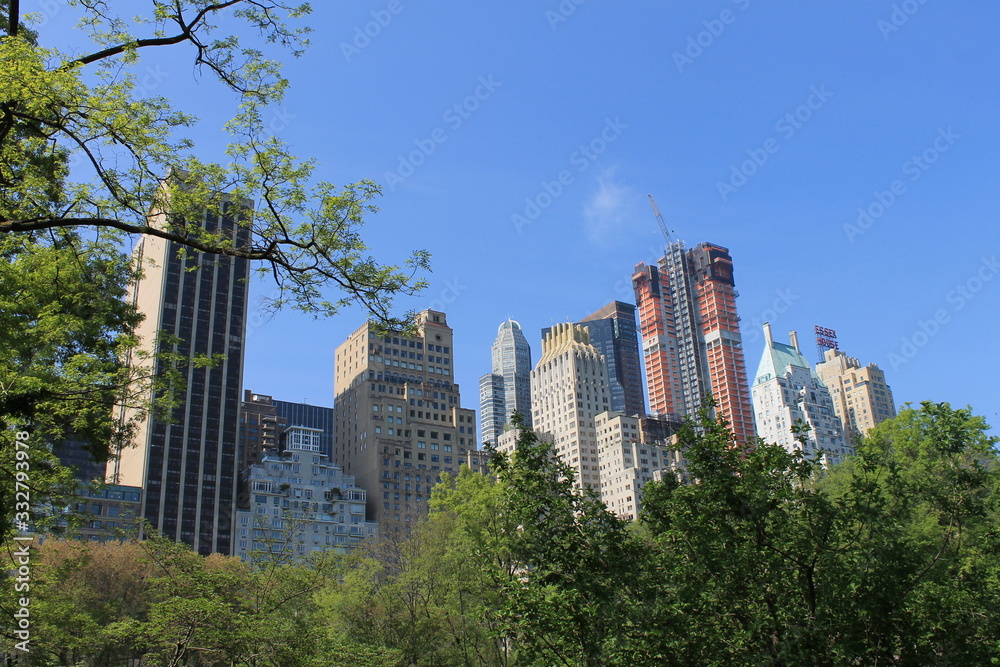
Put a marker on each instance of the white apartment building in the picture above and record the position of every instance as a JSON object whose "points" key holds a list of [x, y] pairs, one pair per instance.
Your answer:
{"points": [[786, 390], [299, 503]]}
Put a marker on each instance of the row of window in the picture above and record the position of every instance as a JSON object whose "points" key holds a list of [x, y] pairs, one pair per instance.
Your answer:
{"points": [[111, 510]]}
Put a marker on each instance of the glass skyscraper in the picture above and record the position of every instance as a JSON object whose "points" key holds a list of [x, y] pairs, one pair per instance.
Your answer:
{"points": [[311, 416], [613, 332], [187, 465], [508, 388]]}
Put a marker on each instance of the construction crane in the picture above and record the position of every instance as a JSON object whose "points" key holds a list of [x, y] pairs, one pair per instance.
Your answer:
{"points": [[659, 219]]}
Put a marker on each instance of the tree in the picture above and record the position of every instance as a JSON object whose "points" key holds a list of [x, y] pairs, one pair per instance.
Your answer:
{"points": [[303, 232], [159, 603], [574, 562], [66, 328], [889, 559], [923, 500], [79, 589], [429, 598], [87, 158]]}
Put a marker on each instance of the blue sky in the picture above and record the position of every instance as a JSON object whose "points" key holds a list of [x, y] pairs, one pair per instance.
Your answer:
{"points": [[845, 153]]}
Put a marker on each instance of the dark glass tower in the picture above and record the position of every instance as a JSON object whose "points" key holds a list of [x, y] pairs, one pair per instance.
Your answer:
{"points": [[310, 416], [613, 332], [187, 467]]}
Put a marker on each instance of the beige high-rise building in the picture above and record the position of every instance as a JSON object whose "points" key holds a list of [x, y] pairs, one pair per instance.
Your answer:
{"points": [[569, 388], [861, 398], [398, 420], [630, 457]]}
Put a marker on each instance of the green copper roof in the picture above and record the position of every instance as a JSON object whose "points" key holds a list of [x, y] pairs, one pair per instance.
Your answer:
{"points": [[776, 360]]}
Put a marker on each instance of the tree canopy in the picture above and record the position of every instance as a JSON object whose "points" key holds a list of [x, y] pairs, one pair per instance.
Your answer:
{"points": [[752, 558], [304, 231], [88, 156]]}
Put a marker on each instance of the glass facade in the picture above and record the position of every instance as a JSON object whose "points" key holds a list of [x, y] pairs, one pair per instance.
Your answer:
{"points": [[190, 469], [510, 382]]}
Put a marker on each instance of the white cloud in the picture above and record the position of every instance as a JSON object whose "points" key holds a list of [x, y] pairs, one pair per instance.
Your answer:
{"points": [[606, 211]]}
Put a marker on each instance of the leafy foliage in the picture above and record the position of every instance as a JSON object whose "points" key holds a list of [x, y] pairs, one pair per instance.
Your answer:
{"points": [[567, 603], [90, 160], [305, 232], [753, 557], [68, 330]]}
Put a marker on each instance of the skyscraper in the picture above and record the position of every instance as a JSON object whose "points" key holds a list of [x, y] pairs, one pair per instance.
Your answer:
{"points": [[510, 379], [187, 466], [633, 451], [691, 336], [313, 416], [398, 420], [861, 398], [613, 332], [569, 388], [786, 391], [491, 407]]}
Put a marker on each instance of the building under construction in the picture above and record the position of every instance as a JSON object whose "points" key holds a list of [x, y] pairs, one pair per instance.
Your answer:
{"points": [[690, 334]]}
